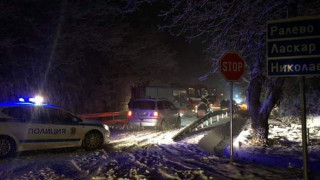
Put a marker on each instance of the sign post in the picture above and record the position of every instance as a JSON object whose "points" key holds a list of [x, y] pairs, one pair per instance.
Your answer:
{"points": [[304, 128], [232, 68], [293, 49], [231, 122]]}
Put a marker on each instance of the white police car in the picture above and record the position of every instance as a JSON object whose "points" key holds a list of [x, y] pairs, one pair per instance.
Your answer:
{"points": [[29, 126]]}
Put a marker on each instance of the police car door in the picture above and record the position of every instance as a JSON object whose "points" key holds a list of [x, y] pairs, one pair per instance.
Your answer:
{"points": [[25, 126], [66, 127], [38, 130]]}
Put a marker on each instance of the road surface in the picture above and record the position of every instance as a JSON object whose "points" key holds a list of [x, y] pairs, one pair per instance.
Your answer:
{"points": [[147, 154]]}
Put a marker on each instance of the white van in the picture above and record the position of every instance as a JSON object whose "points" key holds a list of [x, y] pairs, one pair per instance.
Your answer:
{"points": [[150, 112]]}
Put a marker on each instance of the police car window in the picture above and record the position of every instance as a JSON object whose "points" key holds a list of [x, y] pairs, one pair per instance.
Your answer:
{"points": [[41, 115], [61, 117], [144, 105], [19, 114]]}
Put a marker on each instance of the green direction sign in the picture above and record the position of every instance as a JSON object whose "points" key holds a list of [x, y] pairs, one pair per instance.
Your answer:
{"points": [[293, 46]]}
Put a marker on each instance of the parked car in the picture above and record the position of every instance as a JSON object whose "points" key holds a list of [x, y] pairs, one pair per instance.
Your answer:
{"points": [[28, 126], [158, 113]]}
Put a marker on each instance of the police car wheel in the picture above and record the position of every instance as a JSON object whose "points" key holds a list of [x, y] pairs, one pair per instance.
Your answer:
{"points": [[93, 140], [7, 147]]}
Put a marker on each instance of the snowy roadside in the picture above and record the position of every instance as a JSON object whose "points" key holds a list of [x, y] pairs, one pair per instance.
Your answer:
{"points": [[145, 154], [284, 148]]}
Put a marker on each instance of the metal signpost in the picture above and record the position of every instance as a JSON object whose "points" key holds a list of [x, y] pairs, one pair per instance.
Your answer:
{"points": [[293, 49], [232, 68]]}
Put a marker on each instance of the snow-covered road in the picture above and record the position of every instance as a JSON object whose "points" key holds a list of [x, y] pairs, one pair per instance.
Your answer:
{"points": [[147, 154]]}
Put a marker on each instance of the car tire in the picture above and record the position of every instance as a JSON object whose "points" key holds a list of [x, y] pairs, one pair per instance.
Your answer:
{"points": [[178, 122], [93, 140], [163, 125], [7, 146]]}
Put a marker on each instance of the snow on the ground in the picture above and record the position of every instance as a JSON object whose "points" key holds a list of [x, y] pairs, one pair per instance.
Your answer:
{"points": [[147, 154], [284, 148]]}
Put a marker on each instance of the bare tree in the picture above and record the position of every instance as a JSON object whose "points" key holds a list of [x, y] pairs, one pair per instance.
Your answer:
{"points": [[239, 26]]}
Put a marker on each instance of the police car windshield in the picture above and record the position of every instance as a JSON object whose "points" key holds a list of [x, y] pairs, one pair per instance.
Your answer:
{"points": [[144, 105]]}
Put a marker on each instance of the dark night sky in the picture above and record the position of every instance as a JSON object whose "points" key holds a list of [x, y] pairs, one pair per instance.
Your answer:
{"points": [[190, 55], [193, 61], [31, 28]]}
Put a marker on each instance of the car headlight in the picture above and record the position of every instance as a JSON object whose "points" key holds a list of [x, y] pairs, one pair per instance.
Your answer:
{"points": [[106, 127]]}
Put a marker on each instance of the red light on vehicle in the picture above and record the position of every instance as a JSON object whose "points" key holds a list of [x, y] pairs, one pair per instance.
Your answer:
{"points": [[130, 114], [155, 114]]}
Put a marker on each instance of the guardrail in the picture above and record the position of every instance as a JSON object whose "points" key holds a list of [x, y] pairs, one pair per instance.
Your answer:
{"points": [[109, 118], [198, 125]]}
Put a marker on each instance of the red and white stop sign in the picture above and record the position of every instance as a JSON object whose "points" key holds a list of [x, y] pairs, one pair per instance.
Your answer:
{"points": [[232, 66]]}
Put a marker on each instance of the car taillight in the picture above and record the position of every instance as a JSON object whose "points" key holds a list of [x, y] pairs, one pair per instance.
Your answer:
{"points": [[155, 114], [130, 114]]}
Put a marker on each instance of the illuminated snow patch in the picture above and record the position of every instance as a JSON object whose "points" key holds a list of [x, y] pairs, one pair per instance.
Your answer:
{"points": [[243, 138], [195, 139], [279, 133], [314, 122], [142, 138]]}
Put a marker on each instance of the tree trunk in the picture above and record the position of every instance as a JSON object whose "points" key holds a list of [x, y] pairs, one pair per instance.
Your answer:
{"points": [[260, 114], [254, 104]]}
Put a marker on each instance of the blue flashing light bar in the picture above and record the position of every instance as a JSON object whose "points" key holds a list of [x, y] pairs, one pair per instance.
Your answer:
{"points": [[21, 100], [25, 101], [37, 100]]}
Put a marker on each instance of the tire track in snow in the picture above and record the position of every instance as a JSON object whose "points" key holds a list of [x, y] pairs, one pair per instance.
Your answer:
{"points": [[144, 139]]}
